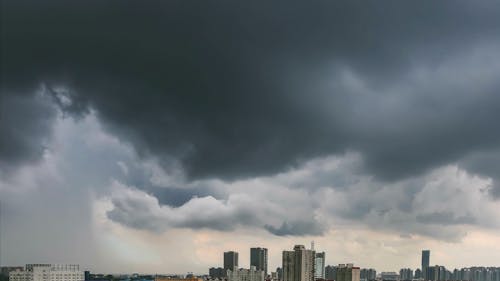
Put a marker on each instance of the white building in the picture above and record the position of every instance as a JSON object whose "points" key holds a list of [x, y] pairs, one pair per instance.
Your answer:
{"points": [[48, 272], [241, 274]]}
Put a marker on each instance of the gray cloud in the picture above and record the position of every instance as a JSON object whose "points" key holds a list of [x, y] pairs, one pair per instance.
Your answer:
{"points": [[297, 228], [445, 218], [26, 122], [234, 91]]}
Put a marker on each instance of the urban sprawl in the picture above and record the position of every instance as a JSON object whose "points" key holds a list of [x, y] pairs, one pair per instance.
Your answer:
{"points": [[299, 264]]}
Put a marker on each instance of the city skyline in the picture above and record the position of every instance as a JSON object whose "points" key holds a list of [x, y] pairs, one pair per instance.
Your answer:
{"points": [[154, 136]]}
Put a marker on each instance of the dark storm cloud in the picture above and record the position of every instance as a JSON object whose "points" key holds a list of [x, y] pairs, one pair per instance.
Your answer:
{"points": [[25, 126], [242, 89]]}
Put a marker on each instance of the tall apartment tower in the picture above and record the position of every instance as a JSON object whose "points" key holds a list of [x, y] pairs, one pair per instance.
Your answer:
{"points": [[426, 255], [258, 258], [230, 260], [319, 265], [298, 265]]}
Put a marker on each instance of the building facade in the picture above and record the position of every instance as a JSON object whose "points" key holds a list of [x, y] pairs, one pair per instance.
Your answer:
{"points": [[348, 272], [241, 274], [48, 272], [258, 258], [217, 272], [426, 256], [319, 265], [230, 260], [298, 265]]}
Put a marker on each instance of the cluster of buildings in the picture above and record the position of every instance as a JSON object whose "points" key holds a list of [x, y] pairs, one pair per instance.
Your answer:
{"points": [[298, 264], [440, 273], [231, 271], [46, 272]]}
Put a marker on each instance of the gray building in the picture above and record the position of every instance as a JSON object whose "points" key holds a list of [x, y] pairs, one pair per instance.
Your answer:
{"points": [[426, 256], [258, 258], [230, 260], [331, 272], [298, 265], [405, 274], [217, 272]]}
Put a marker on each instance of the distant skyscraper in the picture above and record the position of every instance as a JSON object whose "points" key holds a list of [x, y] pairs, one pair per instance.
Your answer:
{"points": [[319, 265], [258, 258], [426, 255], [298, 265], [230, 260]]}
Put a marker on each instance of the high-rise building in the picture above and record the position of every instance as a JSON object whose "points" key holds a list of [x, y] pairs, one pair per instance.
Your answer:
{"points": [[319, 265], [367, 274], [426, 255], [258, 258], [406, 274], [347, 272], [48, 272], [230, 260], [298, 265], [331, 272]]}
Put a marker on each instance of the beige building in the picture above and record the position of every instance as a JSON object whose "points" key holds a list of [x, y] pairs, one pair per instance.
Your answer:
{"points": [[241, 274], [298, 265]]}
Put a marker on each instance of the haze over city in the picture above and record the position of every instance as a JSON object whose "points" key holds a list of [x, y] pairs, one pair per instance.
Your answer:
{"points": [[152, 137]]}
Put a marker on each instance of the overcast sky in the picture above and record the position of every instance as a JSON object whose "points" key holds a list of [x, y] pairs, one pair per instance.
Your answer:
{"points": [[152, 137]]}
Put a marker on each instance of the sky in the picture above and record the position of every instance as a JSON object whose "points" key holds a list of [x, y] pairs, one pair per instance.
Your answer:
{"points": [[153, 136]]}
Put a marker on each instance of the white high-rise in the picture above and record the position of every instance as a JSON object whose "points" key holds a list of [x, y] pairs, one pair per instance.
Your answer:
{"points": [[48, 272]]}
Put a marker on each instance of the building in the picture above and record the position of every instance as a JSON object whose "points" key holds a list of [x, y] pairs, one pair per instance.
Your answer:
{"points": [[48, 272], [230, 260], [166, 278], [426, 256], [367, 274], [348, 272], [331, 272], [298, 265], [319, 265], [418, 274], [405, 274], [241, 274], [389, 276], [258, 258], [217, 272], [279, 273], [5, 270]]}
